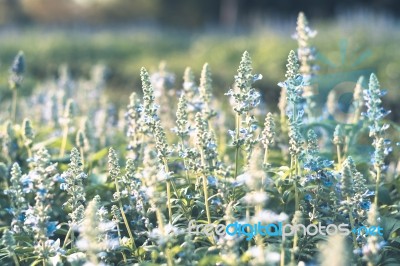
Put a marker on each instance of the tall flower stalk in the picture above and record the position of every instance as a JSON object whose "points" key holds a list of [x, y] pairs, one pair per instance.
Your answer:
{"points": [[182, 130], [268, 136], [201, 141], [205, 91], [28, 136], [115, 175], [339, 140], [66, 122], [91, 237], [15, 80], [37, 217], [294, 87], [306, 55], [374, 244], [347, 189], [152, 121], [17, 196], [244, 99], [375, 113], [358, 101], [82, 143], [72, 183], [134, 133]]}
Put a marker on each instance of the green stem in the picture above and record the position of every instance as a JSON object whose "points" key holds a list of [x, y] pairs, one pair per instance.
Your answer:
{"points": [[169, 184], [282, 254], [356, 116], [141, 152], [294, 164], [184, 164], [237, 145], [296, 191], [127, 225], [339, 155], [66, 237], [295, 240], [266, 156], [82, 157], [14, 105], [352, 226], [248, 220], [119, 239], [28, 149], [169, 193], [283, 122], [297, 207], [159, 219], [237, 150], [15, 259], [44, 261], [64, 141], [296, 196], [170, 261], [378, 180], [169, 202], [257, 210], [291, 167], [133, 245], [72, 238], [347, 143], [161, 226], [205, 188]]}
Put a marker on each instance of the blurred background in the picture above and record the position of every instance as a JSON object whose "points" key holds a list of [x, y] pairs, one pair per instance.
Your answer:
{"points": [[354, 38]]}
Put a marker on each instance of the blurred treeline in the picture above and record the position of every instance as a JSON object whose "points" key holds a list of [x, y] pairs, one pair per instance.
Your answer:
{"points": [[176, 13], [344, 53]]}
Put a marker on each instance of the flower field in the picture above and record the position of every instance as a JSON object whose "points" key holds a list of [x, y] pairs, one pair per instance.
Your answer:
{"points": [[87, 181]]}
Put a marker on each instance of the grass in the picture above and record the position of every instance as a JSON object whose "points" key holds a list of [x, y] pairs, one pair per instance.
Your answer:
{"points": [[345, 53]]}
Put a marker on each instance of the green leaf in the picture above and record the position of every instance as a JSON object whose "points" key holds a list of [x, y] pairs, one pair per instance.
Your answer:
{"points": [[390, 225], [98, 155]]}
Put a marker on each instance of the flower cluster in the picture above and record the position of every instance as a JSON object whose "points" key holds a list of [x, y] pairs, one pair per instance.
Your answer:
{"points": [[16, 194], [245, 97], [148, 107], [306, 55], [17, 70], [205, 92], [37, 217], [375, 112], [72, 183]]}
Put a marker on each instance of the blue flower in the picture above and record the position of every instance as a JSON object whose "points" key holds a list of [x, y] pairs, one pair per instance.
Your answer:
{"points": [[216, 202], [9, 210], [365, 204], [21, 217], [212, 181], [26, 180], [327, 183], [51, 228], [41, 192], [308, 197]]}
